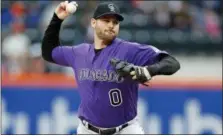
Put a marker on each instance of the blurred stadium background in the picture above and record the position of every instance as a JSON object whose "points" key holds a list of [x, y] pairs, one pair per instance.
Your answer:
{"points": [[41, 98]]}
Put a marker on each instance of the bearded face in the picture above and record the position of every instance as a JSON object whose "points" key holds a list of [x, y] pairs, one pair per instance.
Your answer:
{"points": [[106, 27]]}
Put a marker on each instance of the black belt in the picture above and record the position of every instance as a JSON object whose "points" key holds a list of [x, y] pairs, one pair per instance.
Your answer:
{"points": [[108, 131]]}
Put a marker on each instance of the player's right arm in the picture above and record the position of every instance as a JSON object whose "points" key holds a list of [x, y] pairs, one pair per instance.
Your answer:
{"points": [[51, 49]]}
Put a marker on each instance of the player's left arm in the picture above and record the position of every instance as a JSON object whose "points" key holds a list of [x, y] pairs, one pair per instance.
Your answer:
{"points": [[146, 62], [165, 65]]}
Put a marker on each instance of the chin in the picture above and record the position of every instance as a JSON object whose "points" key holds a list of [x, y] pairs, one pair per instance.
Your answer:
{"points": [[109, 38]]}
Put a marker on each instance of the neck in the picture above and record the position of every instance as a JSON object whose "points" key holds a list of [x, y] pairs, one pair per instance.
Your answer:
{"points": [[99, 43]]}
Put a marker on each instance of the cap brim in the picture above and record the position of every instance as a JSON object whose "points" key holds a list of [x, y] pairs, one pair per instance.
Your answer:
{"points": [[119, 17]]}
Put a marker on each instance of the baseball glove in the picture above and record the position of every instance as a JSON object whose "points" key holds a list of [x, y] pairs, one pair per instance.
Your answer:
{"points": [[124, 69]]}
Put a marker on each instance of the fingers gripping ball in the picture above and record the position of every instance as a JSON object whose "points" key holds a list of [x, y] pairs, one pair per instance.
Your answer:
{"points": [[71, 7]]}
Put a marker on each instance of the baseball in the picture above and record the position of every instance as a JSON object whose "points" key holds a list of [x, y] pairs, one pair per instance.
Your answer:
{"points": [[71, 7]]}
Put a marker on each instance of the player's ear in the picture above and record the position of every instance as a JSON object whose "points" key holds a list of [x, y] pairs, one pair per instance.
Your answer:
{"points": [[93, 22]]}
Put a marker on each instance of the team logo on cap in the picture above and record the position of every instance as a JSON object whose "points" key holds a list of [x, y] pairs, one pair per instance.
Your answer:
{"points": [[111, 7]]}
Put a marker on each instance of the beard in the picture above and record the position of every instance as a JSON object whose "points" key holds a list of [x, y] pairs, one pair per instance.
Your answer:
{"points": [[105, 35]]}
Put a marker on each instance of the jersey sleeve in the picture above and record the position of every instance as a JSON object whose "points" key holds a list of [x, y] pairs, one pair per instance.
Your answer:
{"points": [[63, 55], [143, 55]]}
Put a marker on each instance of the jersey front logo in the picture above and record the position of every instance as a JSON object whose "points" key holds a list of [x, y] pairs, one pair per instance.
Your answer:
{"points": [[99, 75]]}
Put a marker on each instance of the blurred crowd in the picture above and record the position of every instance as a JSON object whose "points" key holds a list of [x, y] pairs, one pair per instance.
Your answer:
{"points": [[24, 22]]}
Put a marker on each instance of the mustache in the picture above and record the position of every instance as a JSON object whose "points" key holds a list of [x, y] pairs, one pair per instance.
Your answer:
{"points": [[110, 31]]}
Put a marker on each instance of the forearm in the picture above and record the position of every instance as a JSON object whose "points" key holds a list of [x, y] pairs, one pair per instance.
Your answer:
{"points": [[51, 38], [167, 65]]}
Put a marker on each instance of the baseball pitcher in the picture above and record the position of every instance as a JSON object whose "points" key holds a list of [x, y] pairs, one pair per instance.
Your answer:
{"points": [[108, 71]]}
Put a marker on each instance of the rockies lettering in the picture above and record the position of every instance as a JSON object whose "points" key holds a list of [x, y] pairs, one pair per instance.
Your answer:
{"points": [[99, 75]]}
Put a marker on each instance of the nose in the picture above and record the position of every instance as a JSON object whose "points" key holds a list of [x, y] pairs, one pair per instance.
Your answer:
{"points": [[111, 25]]}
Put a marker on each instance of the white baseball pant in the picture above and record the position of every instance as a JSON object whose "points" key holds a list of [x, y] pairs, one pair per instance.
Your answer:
{"points": [[133, 128]]}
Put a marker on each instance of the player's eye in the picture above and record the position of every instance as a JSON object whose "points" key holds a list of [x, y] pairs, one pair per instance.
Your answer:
{"points": [[115, 22]]}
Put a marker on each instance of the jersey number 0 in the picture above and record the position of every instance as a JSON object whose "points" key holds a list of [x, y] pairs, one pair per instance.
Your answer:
{"points": [[115, 97]]}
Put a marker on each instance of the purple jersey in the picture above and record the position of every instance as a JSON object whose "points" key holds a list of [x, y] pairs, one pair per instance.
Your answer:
{"points": [[107, 100]]}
